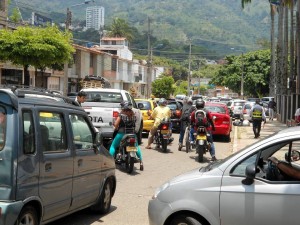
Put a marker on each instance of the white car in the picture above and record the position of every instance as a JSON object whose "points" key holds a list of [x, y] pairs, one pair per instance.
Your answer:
{"points": [[245, 188]]}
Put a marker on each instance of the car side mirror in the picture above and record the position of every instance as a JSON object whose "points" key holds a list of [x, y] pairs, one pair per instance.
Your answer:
{"points": [[250, 174], [140, 105], [98, 139]]}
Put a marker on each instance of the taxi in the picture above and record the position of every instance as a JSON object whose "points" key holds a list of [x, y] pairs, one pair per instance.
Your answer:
{"points": [[149, 105]]}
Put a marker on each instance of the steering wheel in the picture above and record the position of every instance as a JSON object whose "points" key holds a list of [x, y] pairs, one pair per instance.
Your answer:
{"points": [[272, 173]]}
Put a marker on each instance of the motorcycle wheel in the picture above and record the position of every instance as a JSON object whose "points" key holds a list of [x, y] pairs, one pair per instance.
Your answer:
{"points": [[200, 150], [187, 146], [164, 144], [129, 164]]}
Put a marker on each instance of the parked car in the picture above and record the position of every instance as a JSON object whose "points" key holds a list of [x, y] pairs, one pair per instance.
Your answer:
{"points": [[72, 95], [52, 160], [195, 97], [253, 99], [236, 107], [148, 106], [245, 112], [221, 117], [245, 188], [175, 107], [265, 101]]}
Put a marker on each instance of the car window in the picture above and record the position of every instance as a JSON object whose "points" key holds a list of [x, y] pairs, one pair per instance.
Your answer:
{"points": [[28, 132], [82, 134], [216, 109], [52, 132], [146, 104], [113, 97], [172, 106], [248, 106], [2, 127], [239, 103]]}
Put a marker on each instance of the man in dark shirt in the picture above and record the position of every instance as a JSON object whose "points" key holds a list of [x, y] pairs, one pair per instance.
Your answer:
{"points": [[271, 106], [81, 96]]}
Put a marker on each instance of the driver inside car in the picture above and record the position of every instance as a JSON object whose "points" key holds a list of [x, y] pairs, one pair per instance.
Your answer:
{"points": [[286, 168]]}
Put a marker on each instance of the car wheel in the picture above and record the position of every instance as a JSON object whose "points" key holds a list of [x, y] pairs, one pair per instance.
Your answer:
{"points": [[28, 216], [103, 204], [186, 219]]}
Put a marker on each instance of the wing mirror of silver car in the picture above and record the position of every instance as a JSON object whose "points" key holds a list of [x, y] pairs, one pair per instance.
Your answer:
{"points": [[250, 174]]}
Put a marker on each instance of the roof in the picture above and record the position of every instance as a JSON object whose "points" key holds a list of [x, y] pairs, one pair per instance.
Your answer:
{"points": [[113, 39]]}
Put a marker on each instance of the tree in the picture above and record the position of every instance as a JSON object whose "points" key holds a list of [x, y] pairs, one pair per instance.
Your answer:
{"points": [[37, 47], [120, 28], [256, 73], [163, 87]]}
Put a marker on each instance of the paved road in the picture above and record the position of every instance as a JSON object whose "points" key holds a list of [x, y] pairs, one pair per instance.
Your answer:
{"points": [[130, 203]]}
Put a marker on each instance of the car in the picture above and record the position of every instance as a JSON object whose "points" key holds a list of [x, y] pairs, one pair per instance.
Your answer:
{"points": [[244, 188], [221, 118], [195, 97], [253, 99], [245, 112], [175, 107], [236, 107], [148, 106], [180, 97], [52, 159], [225, 100], [72, 95]]}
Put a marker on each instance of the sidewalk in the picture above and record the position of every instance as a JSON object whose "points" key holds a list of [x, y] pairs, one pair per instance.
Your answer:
{"points": [[244, 136]]}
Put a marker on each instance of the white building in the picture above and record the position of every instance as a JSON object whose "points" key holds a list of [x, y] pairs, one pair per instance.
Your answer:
{"points": [[94, 17]]}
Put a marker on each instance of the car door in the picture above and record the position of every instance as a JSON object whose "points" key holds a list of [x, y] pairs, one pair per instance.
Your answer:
{"points": [[263, 201], [56, 163], [87, 165]]}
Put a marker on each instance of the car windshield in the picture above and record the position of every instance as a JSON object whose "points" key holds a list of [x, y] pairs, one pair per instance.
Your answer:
{"points": [[147, 105], [216, 109], [239, 103], [172, 106], [112, 97]]}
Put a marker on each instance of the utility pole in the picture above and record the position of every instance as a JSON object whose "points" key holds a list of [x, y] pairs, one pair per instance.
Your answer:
{"points": [[189, 75], [66, 65], [242, 78], [149, 63]]}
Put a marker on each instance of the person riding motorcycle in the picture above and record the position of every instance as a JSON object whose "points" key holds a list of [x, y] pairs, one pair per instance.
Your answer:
{"points": [[210, 126], [125, 115], [159, 113]]}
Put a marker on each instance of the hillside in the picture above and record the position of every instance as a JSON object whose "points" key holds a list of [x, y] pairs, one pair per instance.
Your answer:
{"points": [[219, 25]]}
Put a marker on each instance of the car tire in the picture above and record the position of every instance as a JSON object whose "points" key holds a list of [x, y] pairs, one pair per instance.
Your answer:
{"points": [[227, 138], [27, 216], [104, 203], [186, 219]]}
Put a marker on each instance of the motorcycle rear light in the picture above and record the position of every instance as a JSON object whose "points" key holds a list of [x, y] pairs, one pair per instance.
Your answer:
{"points": [[131, 140], [115, 114], [165, 127], [178, 113], [245, 111]]}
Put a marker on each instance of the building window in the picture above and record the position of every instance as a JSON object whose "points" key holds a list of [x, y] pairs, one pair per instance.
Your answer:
{"points": [[10, 76], [114, 43], [114, 64], [91, 60]]}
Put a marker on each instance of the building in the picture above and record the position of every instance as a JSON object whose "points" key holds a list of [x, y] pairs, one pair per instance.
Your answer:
{"points": [[3, 13], [94, 17]]}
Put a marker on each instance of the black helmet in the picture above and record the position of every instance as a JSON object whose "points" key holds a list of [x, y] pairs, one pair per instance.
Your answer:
{"points": [[200, 103], [126, 105], [162, 101]]}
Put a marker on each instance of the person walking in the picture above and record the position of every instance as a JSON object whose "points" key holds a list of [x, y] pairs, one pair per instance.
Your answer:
{"points": [[186, 111], [81, 97], [162, 111], [272, 107], [257, 114]]}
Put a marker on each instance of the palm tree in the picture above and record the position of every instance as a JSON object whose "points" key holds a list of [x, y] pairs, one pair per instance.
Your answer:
{"points": [[120, 28]]}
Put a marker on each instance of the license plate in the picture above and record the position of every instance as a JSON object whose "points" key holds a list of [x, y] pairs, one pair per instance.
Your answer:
{"points": [[164, 131], [131, 149], [201, 137]]}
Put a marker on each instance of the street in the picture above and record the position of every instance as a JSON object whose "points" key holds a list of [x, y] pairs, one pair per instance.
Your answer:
{"points": [[130, 203]]}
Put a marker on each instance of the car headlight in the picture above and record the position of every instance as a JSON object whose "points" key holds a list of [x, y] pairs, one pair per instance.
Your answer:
{"points": [[160, 189]]}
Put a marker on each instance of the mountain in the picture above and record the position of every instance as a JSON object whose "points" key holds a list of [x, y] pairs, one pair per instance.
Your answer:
{"points": [[219, 25]]}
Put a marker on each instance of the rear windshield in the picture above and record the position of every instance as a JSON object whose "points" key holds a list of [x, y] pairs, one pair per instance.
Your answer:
{"points": [[147, 105], [172, 106], [248, 106], [113, 97], [216, 109], [239, 103], [2, 127]]}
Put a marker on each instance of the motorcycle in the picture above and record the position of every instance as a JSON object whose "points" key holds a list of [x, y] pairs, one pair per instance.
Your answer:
{"points": [[163, 135], [202, 143], [126, 153]]}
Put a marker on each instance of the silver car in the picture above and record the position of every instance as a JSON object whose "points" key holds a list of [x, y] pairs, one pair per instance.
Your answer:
{"points": [[236, 107], [245, 188], [245, 112]]}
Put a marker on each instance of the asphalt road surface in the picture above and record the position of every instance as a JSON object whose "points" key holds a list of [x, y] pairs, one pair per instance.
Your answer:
{"points": [[130, 203]]}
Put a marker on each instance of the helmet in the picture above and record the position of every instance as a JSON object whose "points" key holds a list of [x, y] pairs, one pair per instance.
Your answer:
{"points": [[126, 105], [189, 101], [200, 103], [162, 102]]}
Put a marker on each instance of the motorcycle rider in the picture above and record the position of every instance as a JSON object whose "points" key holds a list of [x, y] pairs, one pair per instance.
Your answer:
{"points": [[257, 114], [209, 126], [186, 111], [159, 113], [125, 115]]}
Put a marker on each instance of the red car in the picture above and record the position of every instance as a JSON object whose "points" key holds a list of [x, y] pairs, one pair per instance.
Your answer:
{"points": [[222, 119]]}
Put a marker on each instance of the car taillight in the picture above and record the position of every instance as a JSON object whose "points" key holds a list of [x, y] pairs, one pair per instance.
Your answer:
{"points": [[165, 127], [115, 114], [131, 140], [245, 111]]}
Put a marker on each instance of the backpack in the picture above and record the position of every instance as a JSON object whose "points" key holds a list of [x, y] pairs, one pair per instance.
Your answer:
{"points": [[201, 118], [186, 115]]}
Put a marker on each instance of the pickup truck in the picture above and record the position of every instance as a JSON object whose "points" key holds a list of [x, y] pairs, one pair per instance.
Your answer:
{"points": [[103, 106]]}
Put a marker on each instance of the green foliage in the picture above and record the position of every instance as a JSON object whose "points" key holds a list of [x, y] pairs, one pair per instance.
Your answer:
{"points": [[15, 16], [181, 87], [256, 73], [163, 87], [120, 28]]}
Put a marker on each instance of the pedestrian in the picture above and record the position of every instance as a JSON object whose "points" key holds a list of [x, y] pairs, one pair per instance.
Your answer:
{"points": [[185, 119], [257, 114], [81, 97], [2, 128], [272, 107]]}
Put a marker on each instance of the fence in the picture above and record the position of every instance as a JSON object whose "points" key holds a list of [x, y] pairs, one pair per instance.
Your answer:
{"points": [[286, 108]]}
